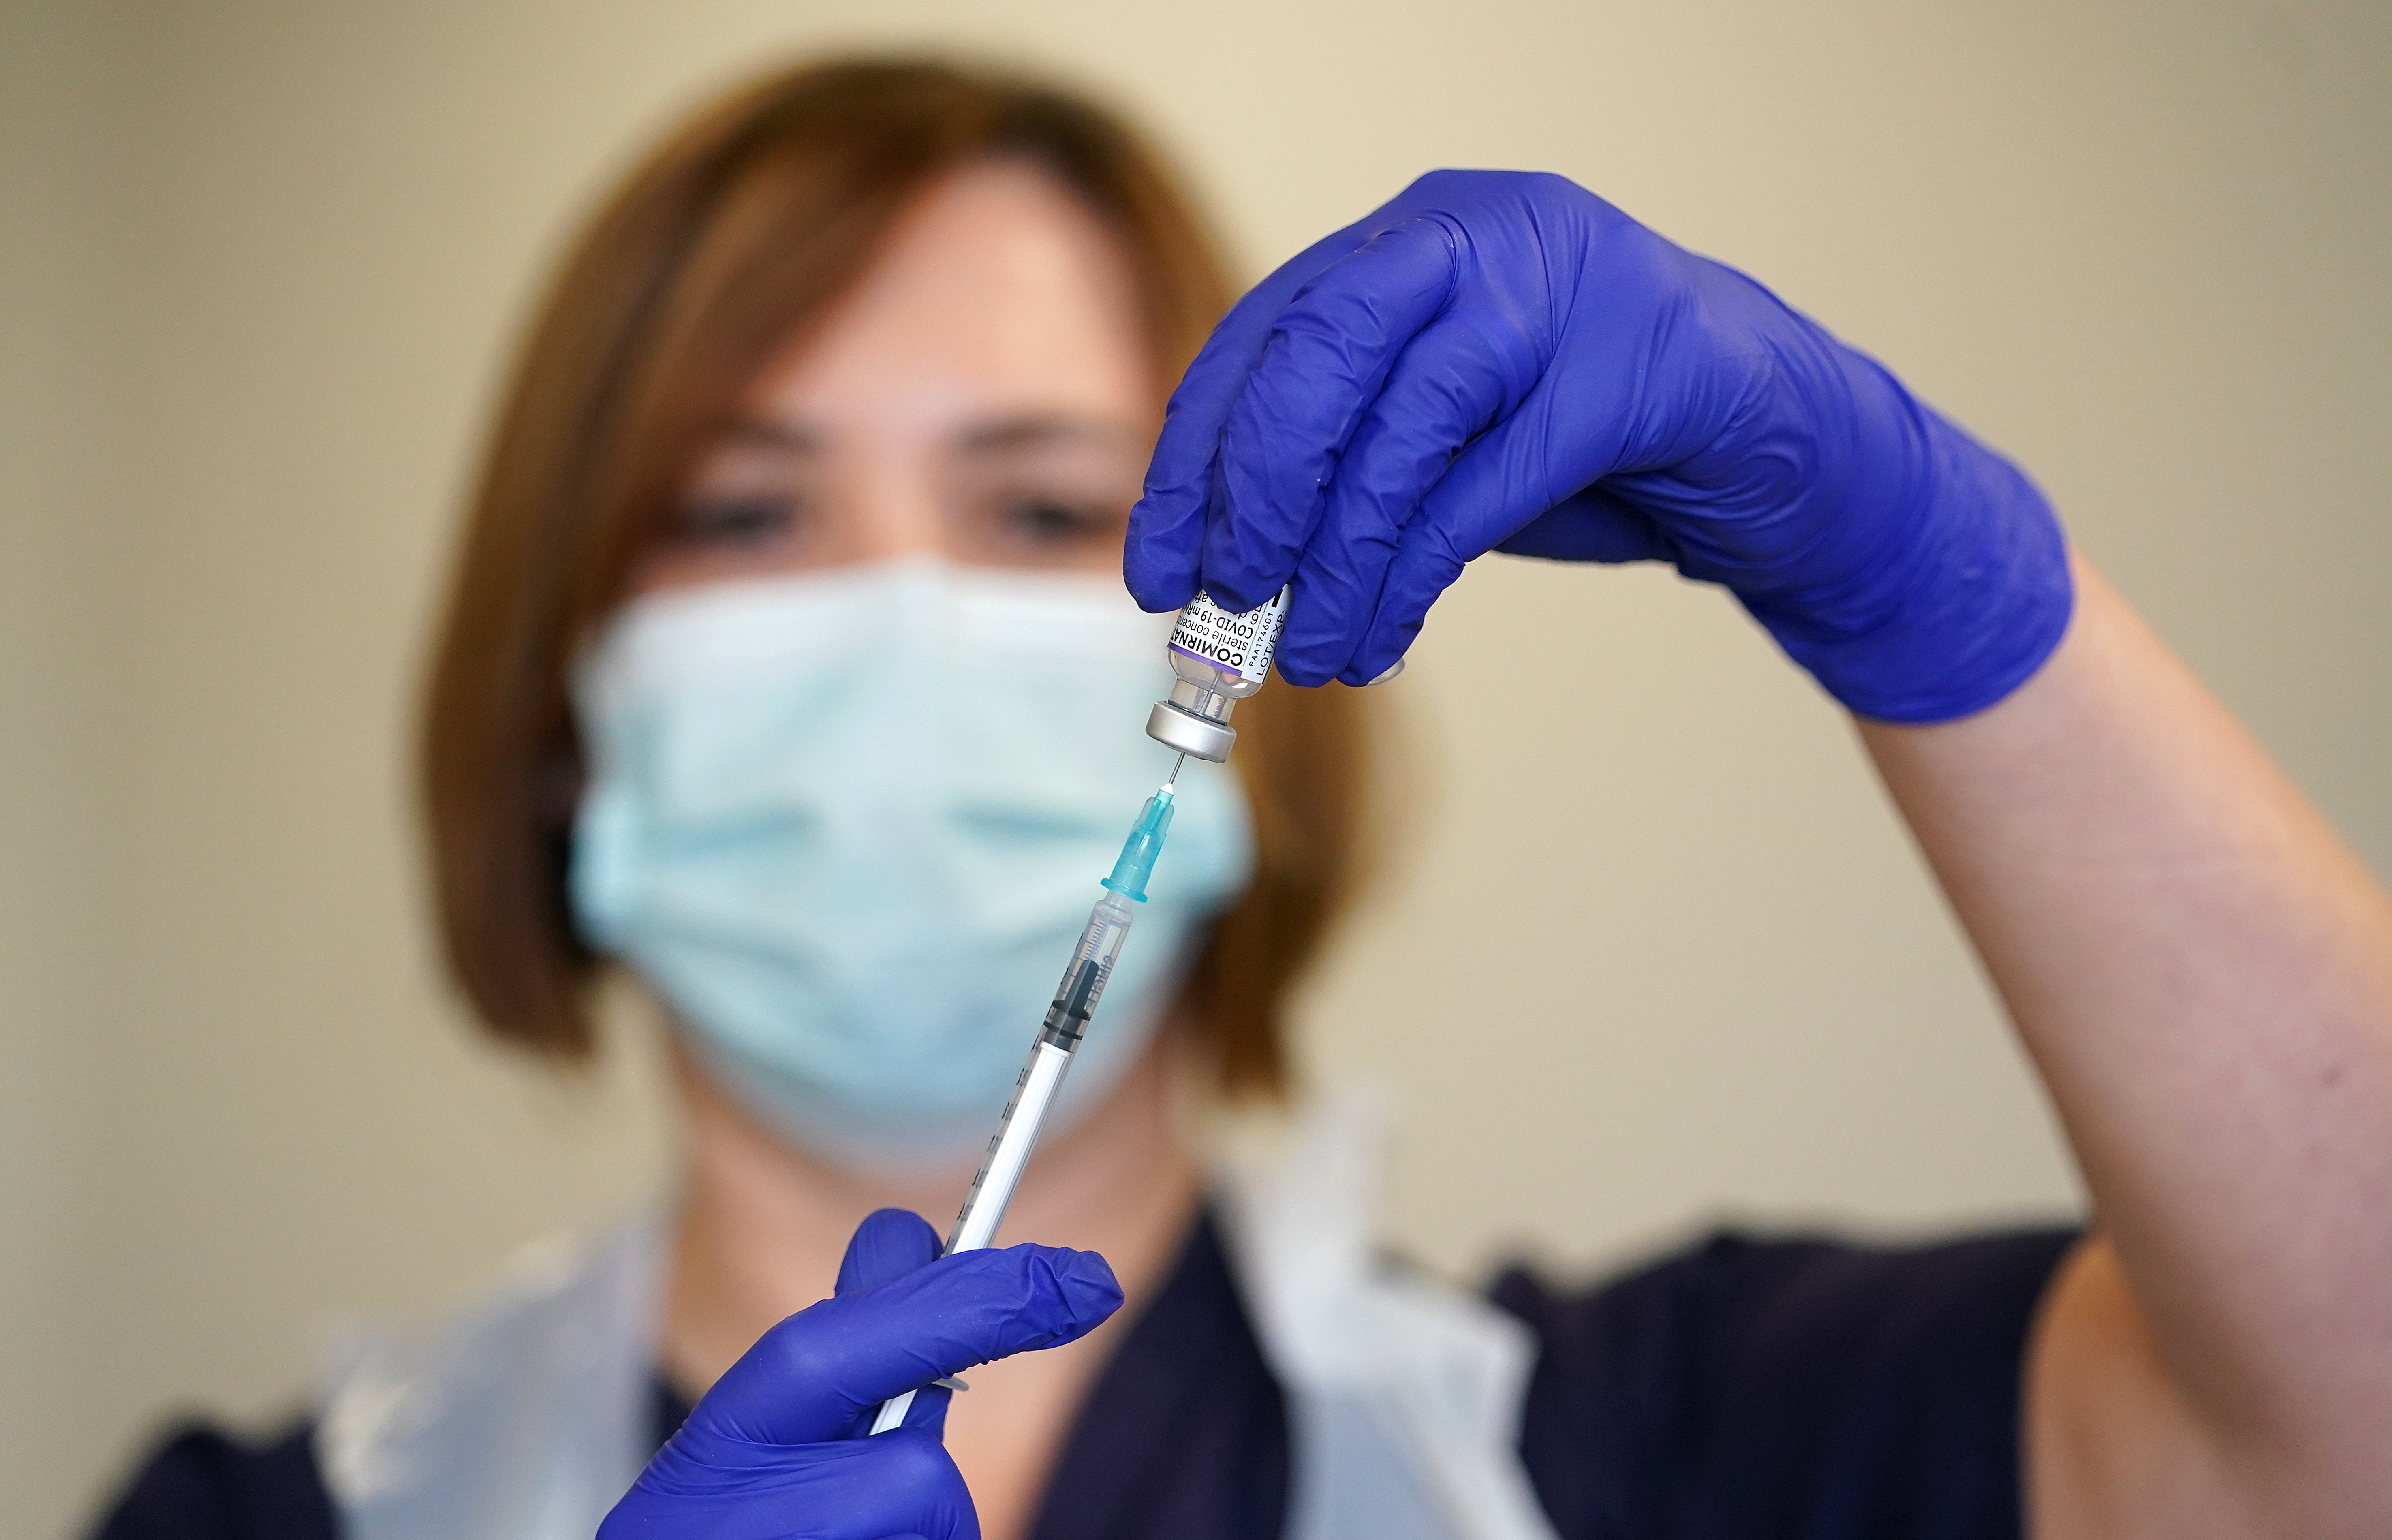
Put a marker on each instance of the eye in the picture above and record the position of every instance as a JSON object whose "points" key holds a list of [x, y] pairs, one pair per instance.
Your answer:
{"points": [[737, 521], [1053, 521]]}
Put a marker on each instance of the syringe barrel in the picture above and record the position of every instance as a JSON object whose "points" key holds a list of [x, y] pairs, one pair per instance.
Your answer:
{"points": [[1041, 1081], [1041, 1074]]}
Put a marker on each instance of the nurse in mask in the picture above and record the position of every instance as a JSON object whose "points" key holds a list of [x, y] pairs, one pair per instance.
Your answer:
{"points": [[788, 672]]}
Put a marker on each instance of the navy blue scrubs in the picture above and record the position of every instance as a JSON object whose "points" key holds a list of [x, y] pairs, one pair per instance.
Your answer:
{"points": [[1743, 1390]]}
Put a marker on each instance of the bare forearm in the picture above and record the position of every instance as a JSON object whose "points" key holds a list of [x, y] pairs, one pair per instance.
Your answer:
{"points": [[2203, 974]]}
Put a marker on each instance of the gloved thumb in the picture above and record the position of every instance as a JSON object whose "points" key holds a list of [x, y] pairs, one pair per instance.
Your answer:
{"points": [[888, 1244]]}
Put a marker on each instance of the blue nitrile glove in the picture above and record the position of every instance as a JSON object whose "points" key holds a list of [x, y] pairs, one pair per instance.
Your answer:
{"points": [[1501, 361], [778, 1448]]}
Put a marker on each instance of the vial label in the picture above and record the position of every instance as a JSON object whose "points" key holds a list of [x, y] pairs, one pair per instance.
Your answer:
{"points": [[1241, 645]]}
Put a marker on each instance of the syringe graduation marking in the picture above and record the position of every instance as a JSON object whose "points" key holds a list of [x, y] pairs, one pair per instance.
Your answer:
{"points": [[987, 1160]]}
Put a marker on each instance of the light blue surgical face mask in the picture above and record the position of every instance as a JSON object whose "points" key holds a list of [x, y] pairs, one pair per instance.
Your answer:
{"points": [[848, 824]]}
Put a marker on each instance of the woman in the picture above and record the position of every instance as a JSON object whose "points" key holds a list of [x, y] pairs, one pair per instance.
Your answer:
{"points": [[788, 579]]}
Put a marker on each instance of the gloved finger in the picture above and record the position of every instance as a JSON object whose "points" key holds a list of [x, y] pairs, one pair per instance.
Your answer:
{"points": [[1464, 370], [888, 1244], [869, 1489], [1426, 564], [822, 1372], [1494, 487], [1330, 352], [902, 1482], [927, 1412], [1162, 549], [1160, 557], [1591, 524]]}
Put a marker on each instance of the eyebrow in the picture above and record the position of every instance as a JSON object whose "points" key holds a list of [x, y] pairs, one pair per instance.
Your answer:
{"points": [[1002, 435], [769, 433], [993, 436]]}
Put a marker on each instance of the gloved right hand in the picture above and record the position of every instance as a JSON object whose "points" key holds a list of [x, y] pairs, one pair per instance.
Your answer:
{"points": [[778, 1449]]}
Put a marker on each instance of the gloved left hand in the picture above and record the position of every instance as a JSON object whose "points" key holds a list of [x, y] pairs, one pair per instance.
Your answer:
{"points": [[778, 1449], [1501, 360]]}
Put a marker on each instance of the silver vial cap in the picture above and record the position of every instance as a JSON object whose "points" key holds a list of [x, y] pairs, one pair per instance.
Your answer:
{"points": [[1181, 729]]}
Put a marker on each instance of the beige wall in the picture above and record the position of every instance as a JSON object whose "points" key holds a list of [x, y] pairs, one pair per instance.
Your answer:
{"points": [[260, 263]]}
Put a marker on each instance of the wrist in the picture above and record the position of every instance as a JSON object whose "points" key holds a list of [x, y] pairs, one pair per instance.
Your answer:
{"points": [[1966, 604]]}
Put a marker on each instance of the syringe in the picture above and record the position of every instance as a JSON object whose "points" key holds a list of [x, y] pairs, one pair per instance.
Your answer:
{"points": [[1050, 1055]]}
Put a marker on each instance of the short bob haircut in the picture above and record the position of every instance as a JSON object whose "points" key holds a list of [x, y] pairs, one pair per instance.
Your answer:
{"points": [[744, 227]]}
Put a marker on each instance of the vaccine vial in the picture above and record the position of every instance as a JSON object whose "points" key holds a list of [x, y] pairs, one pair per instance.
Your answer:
{"points": [[1220, 659]]}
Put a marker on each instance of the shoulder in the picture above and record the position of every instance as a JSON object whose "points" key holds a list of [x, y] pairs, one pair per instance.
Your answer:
{"points": [[200, 1484], [533, 1401], [527, 1410], [1782, 1387]]}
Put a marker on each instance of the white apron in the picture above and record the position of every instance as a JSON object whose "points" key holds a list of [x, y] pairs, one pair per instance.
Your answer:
{"points": [[526, 1416]]}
